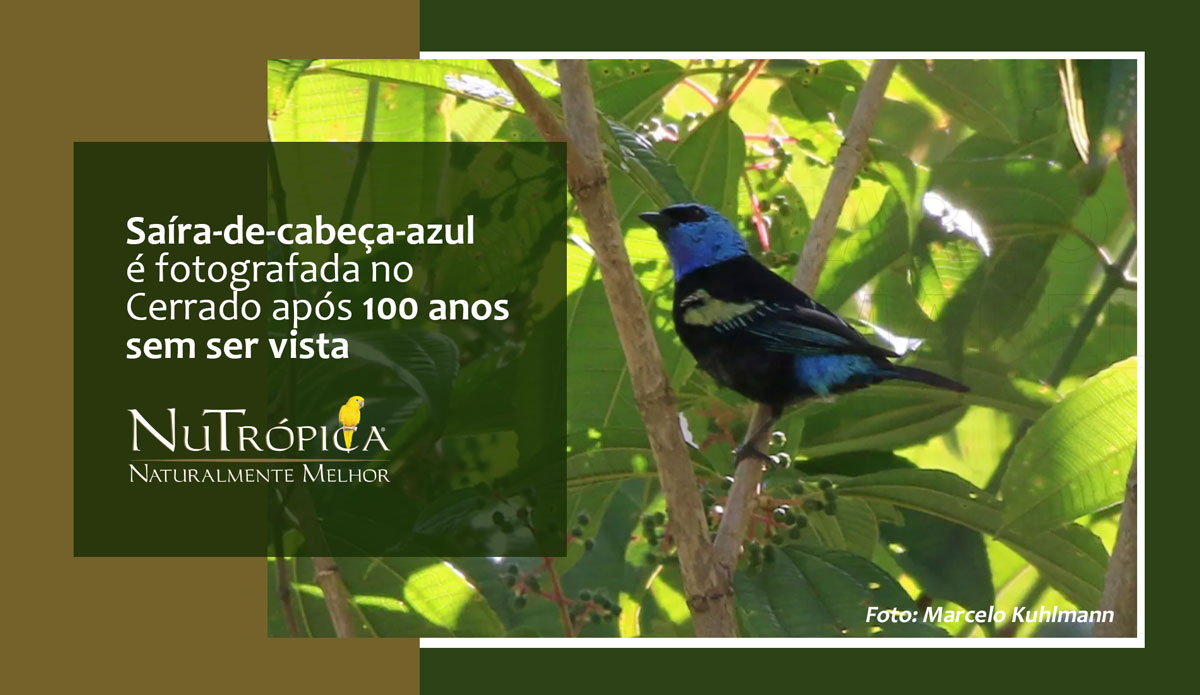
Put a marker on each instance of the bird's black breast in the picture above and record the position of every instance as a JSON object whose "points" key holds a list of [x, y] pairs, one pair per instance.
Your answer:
{"points": [[713, 307]]}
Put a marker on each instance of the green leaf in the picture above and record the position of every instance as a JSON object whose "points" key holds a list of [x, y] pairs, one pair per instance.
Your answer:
{"points": [[1076, 458], [993, 385], [630, 90], [883, 417], [1008, 100], [1070, 558], [710, 161], [1018, 205], [636, 159], [401, 597], [815, 91], [1102, 97], [539, 618], [949, 561], [853, 259], [817, 592], [281, 77]]}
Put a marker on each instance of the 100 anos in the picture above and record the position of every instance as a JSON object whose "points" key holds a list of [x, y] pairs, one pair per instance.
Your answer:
{"points": [[407, 308]]}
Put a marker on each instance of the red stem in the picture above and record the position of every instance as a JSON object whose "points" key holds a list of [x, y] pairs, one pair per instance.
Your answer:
{"points": [[754, 70], [712, 100], [760, 223], [548, 565], [767, 137]]}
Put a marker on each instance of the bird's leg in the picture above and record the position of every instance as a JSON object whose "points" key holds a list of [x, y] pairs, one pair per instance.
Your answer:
{"points": [[747, 450]]}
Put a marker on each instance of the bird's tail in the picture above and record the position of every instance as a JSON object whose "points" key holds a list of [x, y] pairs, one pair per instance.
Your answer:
{"points": [[347, 434], [923, 376]]}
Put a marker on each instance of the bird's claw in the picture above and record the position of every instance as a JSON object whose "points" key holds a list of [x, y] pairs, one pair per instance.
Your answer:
{"points": [[748, 451]]}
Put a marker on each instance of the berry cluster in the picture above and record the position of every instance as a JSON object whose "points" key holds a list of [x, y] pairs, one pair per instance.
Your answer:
{"points": [[656, 532], [577, 532], [591, 606], [776, 519]]}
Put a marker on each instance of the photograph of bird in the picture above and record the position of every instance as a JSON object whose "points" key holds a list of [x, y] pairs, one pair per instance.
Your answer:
{"points": [[756, 333], [349, 415]]}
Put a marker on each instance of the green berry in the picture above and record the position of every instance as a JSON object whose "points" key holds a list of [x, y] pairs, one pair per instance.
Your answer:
{"points": [[533, 584], [596, 619], [585, 595], [589, 544], [811, 505], [825, 484], [798, 489], [780, 515], [514, 569], [498, 518], [801, 521], [726, 482], [660, 518], [789, 517], [831, 508], [583, 519], [769, 553], [577, 532]]}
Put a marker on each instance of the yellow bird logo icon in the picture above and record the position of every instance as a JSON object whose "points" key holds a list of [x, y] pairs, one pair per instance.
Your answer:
{"points": [[349, 415]]}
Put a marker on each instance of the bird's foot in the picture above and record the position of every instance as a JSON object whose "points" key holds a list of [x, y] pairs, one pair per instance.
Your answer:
{"points": [[748, 451]]}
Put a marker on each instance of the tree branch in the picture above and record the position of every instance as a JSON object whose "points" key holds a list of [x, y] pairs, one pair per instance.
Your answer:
{"points": [[743, 494], [850, 159], [533, 103], [712, 613], [337, 598], [1120, 581]]}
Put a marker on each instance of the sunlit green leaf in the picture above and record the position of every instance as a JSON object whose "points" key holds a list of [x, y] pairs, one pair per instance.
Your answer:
{"points": [[1075, 459], [816, 592]]}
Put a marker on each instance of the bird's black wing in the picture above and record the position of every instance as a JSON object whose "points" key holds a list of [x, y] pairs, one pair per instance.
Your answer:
{"points": [[742, 299]]}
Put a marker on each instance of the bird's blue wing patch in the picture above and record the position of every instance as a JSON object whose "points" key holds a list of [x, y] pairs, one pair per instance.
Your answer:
{"points": [[823, 373]]}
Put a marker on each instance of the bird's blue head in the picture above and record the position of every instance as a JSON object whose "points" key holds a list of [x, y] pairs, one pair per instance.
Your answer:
{"points": [[696, 236]]}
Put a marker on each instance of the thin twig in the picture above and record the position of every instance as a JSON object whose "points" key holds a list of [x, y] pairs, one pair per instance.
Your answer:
{"points": [[558, 597], [695, 87], [535, 107], [1121, 578], [850, 159], [741, 88], [760, 223], [283, 580]]}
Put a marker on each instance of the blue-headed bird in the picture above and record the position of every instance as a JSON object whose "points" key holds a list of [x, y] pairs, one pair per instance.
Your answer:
{"points": [[754, 331]]}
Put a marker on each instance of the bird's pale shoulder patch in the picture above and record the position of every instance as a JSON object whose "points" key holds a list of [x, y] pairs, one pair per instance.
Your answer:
{"points": [[702, 309]]}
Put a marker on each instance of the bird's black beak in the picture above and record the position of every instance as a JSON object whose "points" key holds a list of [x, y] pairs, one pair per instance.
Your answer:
{"points": [[657, 220]]}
